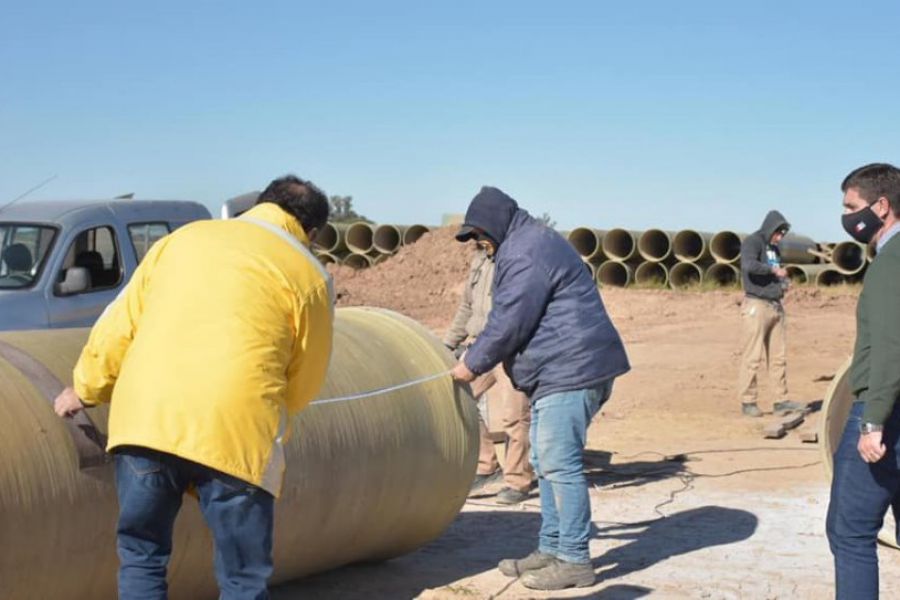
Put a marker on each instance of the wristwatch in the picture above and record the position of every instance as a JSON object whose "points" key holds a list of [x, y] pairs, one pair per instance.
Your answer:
{"points": [[865, 428]]}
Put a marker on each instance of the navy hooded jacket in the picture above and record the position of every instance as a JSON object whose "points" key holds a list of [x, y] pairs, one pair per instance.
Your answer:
{"points": [[547, 325]]}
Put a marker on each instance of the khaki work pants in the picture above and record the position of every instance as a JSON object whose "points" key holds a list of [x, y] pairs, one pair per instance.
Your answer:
{"points": [[762, 337], [515, 409]]}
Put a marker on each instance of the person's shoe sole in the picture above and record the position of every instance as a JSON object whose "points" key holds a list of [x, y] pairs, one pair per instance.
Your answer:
{"points": [[510, 567], [580, 583]]}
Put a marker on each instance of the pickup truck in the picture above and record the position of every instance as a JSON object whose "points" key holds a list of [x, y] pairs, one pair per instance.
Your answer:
{"points": [[61, 263]]}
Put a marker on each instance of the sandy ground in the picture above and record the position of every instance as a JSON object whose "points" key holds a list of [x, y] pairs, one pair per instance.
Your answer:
{"points": [[689, 500]]}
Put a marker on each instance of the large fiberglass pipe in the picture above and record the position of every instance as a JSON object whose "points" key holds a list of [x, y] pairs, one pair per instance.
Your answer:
{"points": [[369, 478], [798, 249], [360, 238], [725, 246], [620, 244], [651, 274], [722, 275], [849, 258], [829, 277], [655, 245], [689, 245], [801, 274], [683, 275], [587, 242], [835, 412], [331, 238], [613, 273], [387, 239], [358, 261], [413, 233]]}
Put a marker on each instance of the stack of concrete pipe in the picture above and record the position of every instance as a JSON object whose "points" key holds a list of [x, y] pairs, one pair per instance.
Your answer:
{"points": [[689, 258], [360, 245]]}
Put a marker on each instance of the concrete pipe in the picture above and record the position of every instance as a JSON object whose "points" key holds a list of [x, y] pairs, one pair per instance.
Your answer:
{"points": [[360, 238], [691, 246], [798, 249], [587, 242], [684, 275], [849, 258], [835, 411], [725, 246], [620, 244], [358, 261], [870, 252], [613, 273], [723, 275], [801, 274], [331, 238], [387, 239], [367, 479], [413, 233], [829, 277], [327, 258], [651, 274], [655, 245], [591, 269]]}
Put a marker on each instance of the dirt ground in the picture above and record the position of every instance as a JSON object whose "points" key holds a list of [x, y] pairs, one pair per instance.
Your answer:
{"points": [[689, 500]]}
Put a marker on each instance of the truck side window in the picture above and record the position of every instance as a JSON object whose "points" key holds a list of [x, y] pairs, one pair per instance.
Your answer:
{"points": [[97, 250], [144, 235]]}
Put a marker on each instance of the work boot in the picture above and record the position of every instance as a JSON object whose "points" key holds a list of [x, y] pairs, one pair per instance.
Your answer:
{"points": [[513, 567], [750, 409], [559, 576], [787, 406], [482, 481], [510, 496]]}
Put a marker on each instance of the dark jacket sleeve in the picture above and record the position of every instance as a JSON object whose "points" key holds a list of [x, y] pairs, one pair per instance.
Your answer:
{"points": [[521, 292], [751, 249], [884, 350]]}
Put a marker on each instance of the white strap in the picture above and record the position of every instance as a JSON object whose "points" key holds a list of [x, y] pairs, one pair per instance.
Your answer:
{"points": [[299, 248]]}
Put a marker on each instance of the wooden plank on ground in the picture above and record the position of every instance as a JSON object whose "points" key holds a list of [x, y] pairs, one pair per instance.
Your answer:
{"points": [[809, 433], [778, 429]]}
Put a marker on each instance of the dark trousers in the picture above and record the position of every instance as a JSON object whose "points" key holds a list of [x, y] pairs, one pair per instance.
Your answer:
{"points": [[861, 494], [150, 487]]}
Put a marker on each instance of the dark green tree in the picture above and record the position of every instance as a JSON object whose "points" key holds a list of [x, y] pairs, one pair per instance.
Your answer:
{"points": [[342, 210], [547, 220]]}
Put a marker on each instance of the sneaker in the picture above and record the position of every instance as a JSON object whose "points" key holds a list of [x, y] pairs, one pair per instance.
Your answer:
{"points": [[510, 496], [513, 567], [481, 481], [750, 409], [559, 576], [788, 406]]}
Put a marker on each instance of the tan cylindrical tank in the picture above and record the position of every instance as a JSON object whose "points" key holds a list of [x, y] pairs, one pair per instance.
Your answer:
{"points": [[367, 479]]}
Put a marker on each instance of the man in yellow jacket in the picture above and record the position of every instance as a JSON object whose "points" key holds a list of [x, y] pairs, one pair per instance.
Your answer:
{"points": [[222, 334]]}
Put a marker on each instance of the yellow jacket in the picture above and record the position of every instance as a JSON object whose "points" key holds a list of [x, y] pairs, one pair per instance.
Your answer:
{"points": [[223, 332]]}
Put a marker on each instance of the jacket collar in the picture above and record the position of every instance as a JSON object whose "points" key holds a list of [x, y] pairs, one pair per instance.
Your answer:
{"points": [[272, 213]]}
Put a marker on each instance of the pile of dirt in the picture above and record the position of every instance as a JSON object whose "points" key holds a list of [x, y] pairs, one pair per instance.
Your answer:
{"points": [[423, 281]]}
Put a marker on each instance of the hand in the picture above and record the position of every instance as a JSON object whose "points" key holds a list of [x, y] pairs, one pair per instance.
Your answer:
{"points": [[462, 373], [870, 447], [780, 272], [67, 404]]}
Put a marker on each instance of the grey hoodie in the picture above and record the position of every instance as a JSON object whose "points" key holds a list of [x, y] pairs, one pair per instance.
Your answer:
{"points": [[756, 272]]}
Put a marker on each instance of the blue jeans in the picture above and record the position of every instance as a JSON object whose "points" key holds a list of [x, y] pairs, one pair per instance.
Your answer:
{"points": [[150, 487], [559, 424], [861, 494]]}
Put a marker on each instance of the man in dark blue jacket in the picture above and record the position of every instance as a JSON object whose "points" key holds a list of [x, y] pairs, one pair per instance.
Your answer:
{"points": [[549, 328]]}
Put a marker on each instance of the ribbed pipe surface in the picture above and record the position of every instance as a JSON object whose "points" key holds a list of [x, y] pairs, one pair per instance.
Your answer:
{"points": [[651, 273], [620, 244], [835, 411], [689, 245], [655, 245], [725, 246], [684, 275], [367, 480], [360, 238], [613, 273], [587, 242]]}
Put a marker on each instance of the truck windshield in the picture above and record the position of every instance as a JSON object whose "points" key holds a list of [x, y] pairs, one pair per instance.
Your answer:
{"points": [[24, 248]]}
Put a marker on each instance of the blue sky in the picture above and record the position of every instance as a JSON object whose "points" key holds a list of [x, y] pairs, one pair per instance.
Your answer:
{"points": [[637, 114]]}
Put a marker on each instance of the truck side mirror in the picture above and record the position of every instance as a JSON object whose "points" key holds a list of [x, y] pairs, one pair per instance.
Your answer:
{"points": [[77, 280]]}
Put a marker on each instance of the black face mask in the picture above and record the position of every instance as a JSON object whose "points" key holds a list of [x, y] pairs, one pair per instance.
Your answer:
{"points": [[862, 224]]}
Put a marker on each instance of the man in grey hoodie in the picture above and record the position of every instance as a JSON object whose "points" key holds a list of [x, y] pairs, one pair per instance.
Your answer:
{"points": [[763, 331]]}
